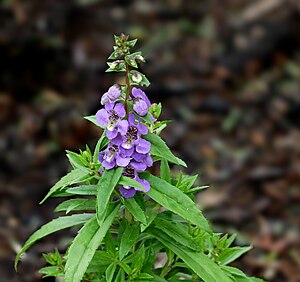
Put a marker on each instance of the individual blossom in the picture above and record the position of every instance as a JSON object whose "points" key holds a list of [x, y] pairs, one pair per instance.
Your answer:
{"points": [[141, 103], [110, 117], [140, 162], [113, 93], [114, 156], [128, 191], [133, 134]]}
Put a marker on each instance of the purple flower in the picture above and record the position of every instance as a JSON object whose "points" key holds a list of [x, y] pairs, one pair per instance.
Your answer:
{"points": [[140, 162], [114, 155], [141, 102], [133, 134], [110, 117], [128, 191], [113, 93]]}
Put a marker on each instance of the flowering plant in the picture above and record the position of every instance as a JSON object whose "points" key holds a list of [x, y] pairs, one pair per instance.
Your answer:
{"points": [[135, 226]]}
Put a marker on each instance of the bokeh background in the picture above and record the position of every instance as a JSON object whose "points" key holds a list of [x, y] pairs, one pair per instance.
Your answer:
{"points": [[227, 72]]}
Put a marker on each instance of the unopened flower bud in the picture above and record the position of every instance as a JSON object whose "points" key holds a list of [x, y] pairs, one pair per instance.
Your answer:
{"points": [[136, 77]]}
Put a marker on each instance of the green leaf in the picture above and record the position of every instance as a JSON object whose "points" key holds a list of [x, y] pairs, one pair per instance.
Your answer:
{"points": [[110, 271], [160, 149], [131, 43], [165, 172], [116, 66], [109, 244], [85, 245], [176, 201], [100, 261], [89, 190], [125, 266], [137, 256], [146, 277], [229, 255], [135, 210], [198, 262], [51, 227], [121, 276], [54, 271], [108, 182], [93, 120], [102, 142], [77, 161], [185, 182], [197, 189], [74, 176], [76, 205], [240, 276], [177, 231], [115, 55], [127, 181], [151, 214], [128, 239], [138, 259]]}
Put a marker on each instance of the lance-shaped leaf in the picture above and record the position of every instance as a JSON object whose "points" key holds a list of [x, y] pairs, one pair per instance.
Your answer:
{"points": [[108, 182], [128, 239], [110, 271], [77, 161], [177, 231], [84, 246], [74, 176], [76, 205], [51, 227], [90, 190], [135, 209], [176, 201], [231, 254], [165, 172], [102, 142], [93, 120], [159, 148], [198, 262]]}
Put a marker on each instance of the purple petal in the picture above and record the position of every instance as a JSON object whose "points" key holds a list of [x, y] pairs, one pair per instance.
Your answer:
{"points": [[122, 161], [104, 98], [139, 166], [138, 93], [111, 134], [102, 117], [108, 165], [138, 157], [149, 161], [142, 128], [143, 147], [109, 106], [122, 126], [117, 140], [127, 144], [144, 182], [120, 110], [127, 152], [140, 107], [100, 156], [114, 92], [127, 193], [131, 119]]}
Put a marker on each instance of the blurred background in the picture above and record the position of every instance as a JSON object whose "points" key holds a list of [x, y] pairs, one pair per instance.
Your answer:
{"points": [[227, 73]]}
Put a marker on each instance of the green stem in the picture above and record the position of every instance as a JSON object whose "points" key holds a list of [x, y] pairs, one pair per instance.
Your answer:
{"points": [[128, 88]]}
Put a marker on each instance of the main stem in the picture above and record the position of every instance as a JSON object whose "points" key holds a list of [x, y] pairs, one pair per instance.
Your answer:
{"points": [[128, 88]]}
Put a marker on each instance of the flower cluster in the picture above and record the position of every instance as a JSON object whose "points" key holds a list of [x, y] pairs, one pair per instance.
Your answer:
{"points": [[126, 146]]}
